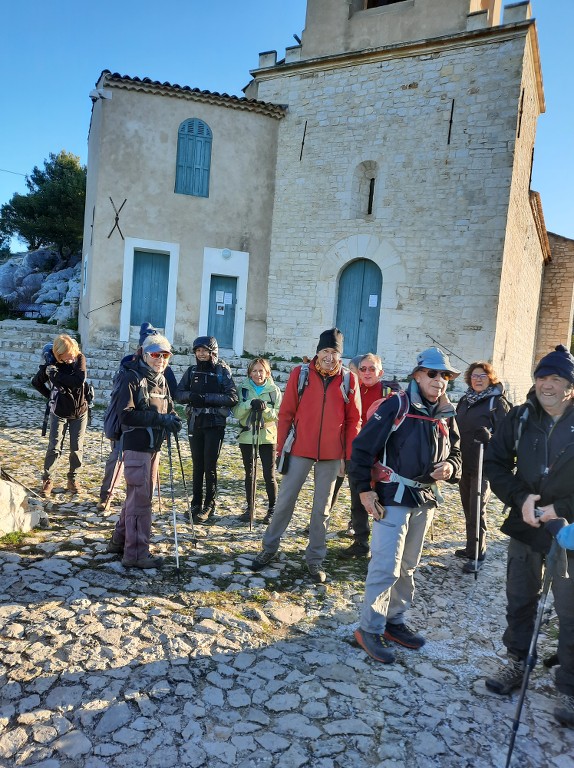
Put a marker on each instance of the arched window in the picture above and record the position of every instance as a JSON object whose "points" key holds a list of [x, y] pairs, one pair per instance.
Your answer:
{"points": [[193, 158], [363, 189]]}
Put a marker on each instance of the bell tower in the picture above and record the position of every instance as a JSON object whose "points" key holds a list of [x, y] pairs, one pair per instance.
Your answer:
{"points": [[341, 26]]}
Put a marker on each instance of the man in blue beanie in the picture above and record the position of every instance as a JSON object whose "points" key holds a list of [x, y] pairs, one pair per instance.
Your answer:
{"points": [[530, 465]]}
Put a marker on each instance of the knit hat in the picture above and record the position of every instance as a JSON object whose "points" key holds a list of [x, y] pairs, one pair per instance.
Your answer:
{"points": [[435, 359], [146, 329], [155, 342], [331, 339], [557, 363]]}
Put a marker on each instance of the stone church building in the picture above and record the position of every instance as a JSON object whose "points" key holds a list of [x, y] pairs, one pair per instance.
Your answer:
{"points": [[376, 178]]}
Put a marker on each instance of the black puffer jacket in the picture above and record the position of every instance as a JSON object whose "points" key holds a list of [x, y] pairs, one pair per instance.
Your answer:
{"points": [[412, 450], [140, 407], [65, 389], [544, 465], [214, 382], [487, 412]]}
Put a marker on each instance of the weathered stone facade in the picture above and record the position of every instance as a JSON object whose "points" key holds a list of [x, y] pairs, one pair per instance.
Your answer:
{"points": [[557, 303]]}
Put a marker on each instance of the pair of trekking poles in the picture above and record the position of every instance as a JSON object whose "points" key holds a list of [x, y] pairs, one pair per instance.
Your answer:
{"points": [[172, 492]]}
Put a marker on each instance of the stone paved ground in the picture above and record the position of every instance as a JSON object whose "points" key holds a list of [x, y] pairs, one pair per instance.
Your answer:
{"points": [[218, 666]]}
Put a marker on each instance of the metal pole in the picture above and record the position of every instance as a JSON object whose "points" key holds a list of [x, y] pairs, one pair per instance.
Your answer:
{"points": [[193, 538], [478, 508], [173, 503]]}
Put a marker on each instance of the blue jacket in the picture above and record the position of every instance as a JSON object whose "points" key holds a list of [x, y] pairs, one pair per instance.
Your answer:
{"points": [[411, 451]]}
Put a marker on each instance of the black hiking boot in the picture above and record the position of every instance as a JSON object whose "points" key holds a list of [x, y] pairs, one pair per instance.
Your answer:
{"points": [[403, 635], [375, 646], [262, 559], [509, 678], [357, 549]]}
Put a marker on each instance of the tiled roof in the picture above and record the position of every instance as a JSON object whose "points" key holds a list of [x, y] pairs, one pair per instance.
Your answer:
{"points": [[184, 91]]}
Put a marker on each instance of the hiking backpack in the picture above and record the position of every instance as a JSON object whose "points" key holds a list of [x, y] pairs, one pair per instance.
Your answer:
{"points": [[304, 380], [112, 426]]}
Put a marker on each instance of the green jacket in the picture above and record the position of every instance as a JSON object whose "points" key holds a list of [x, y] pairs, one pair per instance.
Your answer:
{"points": [[271, 396]]}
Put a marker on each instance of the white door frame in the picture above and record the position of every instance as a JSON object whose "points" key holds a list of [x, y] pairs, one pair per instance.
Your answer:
{"points": [[223, 261], [131, 245]]}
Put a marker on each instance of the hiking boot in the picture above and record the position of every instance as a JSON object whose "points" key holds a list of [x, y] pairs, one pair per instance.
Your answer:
{"points": [[375, 646], [144, 562], [469, 566], [205, 514], [101, 506], [462, 553], [317, 573], [508, 679], [357, 549], [47, 487], [114, 547], [262, 559], [74, 486], [268, 516], [564, 711], [193, 513], [403, 635]]}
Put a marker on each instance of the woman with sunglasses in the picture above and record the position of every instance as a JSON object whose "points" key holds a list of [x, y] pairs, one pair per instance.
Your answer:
{"points": [[482, 407], [146, 415]]}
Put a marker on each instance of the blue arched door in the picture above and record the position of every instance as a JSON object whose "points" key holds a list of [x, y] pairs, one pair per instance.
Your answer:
{"points": [[359, 305]]}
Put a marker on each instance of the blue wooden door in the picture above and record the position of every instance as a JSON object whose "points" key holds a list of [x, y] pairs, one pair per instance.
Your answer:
{"points": [[149, 288], [358, 306], [222, 302]]}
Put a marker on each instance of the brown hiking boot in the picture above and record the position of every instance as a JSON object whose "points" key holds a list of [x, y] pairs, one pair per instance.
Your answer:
{"points": [[74, 486], [47, 486]]}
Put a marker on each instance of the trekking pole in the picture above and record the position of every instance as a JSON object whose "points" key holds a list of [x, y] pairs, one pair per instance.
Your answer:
{"points": [[255, 424], [554, 564], [173, 504], [478, 508], [193, 536]]}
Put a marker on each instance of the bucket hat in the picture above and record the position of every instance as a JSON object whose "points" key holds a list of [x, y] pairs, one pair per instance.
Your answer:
{"points": [[435, 359]]}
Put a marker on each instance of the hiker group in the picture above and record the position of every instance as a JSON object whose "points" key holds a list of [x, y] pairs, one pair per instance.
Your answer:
{"points": [[395, 446]]}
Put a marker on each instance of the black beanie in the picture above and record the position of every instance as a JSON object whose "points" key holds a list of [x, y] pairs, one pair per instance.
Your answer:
{"points": [[331, 339], [557, 363], [146, 329]]}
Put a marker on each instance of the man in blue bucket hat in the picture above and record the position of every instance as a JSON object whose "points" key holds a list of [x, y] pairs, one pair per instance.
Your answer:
{"points": [[400, 493]]}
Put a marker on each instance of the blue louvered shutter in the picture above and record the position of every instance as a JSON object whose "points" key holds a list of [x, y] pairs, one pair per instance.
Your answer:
{"points": [[193, 158]]}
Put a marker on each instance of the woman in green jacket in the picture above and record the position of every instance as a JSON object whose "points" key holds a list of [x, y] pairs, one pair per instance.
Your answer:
{"points": [[257, 411]]}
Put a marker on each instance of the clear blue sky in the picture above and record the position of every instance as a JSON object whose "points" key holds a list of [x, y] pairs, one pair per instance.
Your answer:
{"points": [[53, 52]]}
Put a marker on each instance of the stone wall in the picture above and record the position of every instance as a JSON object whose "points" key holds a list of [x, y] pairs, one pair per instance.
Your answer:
{"points": [[557, 303]]}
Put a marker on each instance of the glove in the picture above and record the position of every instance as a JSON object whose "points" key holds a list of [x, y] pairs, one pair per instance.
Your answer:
{"points": [[170, 422], [196, 400], [51, 371], [482, 435], [257, 405]]}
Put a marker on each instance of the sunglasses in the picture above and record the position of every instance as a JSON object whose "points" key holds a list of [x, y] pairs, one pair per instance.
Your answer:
{"points": [[365, 368], [479, 376], [157, 355], [446, 375]]}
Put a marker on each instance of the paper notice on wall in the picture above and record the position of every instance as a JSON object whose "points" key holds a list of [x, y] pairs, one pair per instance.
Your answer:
{"points": [[220, 310], [228, 298], [373, 299], [219, 297]]}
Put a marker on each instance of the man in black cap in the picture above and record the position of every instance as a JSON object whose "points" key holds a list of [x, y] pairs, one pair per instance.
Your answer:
{"points": [[325, 418], [530, 465]]}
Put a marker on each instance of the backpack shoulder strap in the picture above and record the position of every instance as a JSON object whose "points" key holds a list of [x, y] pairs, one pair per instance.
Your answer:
{"points": [[345, 383], [303, 380], [520, 424]]}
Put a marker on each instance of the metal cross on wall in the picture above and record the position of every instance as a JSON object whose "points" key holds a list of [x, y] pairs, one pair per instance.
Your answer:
{"points": [[117, 212]]}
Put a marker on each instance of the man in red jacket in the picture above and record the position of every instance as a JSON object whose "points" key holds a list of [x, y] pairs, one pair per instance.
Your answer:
{"points": [[325, 420]]}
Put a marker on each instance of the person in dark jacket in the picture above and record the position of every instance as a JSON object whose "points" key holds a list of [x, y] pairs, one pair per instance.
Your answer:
{"points": [[146, 415], [530, 465], [414, 437], [61, 379], [324, 422], [478, 412], [112, 472], [208, 390]]}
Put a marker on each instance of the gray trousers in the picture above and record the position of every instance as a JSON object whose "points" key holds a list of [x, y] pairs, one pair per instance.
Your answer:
{"points": [[325, 475], [396, 546], [76, 431], [133, 529], [523, 584]]}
